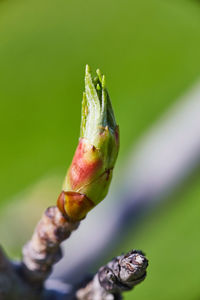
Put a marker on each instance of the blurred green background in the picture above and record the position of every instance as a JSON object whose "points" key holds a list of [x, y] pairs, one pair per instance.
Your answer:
{"points": [[150, 53]]}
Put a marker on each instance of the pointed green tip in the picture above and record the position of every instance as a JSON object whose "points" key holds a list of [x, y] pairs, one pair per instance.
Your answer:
{"points": [[96, 106], [98, 87], [87, 70], [99, 75], [103, 82]]}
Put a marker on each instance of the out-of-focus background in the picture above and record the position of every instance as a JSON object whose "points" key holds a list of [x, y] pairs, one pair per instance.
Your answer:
{"points": [[150, 53]]}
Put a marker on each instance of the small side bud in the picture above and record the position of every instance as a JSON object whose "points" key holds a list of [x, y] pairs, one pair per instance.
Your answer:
{"points": [[123, 272], [133, 267]]}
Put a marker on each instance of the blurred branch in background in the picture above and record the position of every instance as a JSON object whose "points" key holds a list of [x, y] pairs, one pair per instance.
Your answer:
{"points": [[166, 155], [11, 285]]}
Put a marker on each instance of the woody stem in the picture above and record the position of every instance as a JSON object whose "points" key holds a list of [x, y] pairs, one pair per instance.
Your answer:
{"points": [[43, 250]]}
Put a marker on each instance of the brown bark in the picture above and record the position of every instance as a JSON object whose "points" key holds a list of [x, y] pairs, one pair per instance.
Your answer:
{"points": [[43, 250], [121, 274], [25, 281]]}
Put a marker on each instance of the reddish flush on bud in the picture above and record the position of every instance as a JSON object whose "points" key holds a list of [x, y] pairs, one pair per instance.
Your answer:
{"points": [[85, 164]]}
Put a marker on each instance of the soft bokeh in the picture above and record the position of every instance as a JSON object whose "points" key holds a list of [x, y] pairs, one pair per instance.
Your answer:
{"points": [[150, 53]]}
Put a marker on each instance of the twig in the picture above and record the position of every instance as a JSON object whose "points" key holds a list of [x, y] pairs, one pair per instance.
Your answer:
{"points": [[43, 250], [119, 275]]}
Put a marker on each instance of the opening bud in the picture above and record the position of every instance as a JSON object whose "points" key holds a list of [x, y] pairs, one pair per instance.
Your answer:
{"points": [[89, 176]]}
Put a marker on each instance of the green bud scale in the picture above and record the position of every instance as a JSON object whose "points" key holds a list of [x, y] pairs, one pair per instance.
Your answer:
{"points": [[89, 176]]}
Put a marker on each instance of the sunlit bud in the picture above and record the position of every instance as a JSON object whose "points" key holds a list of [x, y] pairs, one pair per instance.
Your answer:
{"points": [[89, 176]]}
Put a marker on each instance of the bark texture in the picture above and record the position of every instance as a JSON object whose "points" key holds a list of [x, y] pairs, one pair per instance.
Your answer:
{"points": [[121, 274], [26, 280], [43, 250]]}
